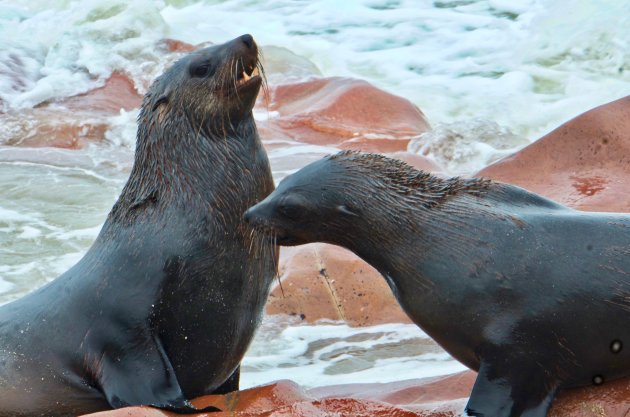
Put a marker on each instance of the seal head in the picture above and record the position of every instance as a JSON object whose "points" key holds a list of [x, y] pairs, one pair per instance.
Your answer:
{"points": [[215, 86]]}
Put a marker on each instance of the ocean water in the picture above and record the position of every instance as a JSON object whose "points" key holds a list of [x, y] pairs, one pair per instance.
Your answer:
{"points": [[490, 75]]}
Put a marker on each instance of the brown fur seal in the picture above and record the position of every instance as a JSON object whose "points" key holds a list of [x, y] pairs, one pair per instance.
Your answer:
{"points": [[531, 294], [164, 304]]}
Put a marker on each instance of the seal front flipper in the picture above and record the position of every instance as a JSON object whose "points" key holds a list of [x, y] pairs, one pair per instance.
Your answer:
{"points": [[517, 394], [143, 375]]}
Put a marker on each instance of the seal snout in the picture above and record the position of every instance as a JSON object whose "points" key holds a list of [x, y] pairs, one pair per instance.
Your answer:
{"points": [[248, 40], [248, 69], [259, 218], [252, 216]]}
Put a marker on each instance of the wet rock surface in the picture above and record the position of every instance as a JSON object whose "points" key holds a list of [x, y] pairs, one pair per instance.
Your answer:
{"points": [[73, 122], [585, 163], [444, 396], [347, 113], [321, 281]]}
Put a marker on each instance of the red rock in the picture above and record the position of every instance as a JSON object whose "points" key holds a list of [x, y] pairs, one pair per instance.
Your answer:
{"points": [[283, 398], [344, 112], [447, 396], [443, 396], [409, 392], [72, 122], [59, 128], [585, 163], [173, 45], [118, 93], [321, 281]]}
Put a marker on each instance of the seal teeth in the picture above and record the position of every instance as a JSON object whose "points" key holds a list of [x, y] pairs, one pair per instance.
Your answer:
{"points": [[245, 76], [255, 72]]}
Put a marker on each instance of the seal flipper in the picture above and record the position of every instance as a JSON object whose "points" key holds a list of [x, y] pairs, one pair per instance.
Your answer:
{"points": [[144, 377], [497, 396]]}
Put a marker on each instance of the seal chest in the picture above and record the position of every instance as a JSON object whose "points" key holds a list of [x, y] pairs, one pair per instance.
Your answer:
{"points": [[504, 280], [164, 304]]}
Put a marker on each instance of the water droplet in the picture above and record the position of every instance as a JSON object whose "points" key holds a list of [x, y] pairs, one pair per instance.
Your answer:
{"points": [[598, 380], [616, 346]]}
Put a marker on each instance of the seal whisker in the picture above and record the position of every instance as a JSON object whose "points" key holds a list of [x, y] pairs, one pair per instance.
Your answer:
{"points": [[252, 236], [273, 248], [263, 75], [235, 75]]}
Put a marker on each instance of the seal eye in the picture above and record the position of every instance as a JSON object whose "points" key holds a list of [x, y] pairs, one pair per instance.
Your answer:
{"points": [[290, 211], [200, 71]]}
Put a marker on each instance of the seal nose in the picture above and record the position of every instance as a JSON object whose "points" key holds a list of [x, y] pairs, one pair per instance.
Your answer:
{"points": [[248, 40], [248, 216]]}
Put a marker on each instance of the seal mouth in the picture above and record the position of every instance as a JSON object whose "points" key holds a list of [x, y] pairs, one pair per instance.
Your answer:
{"points": [[271, 232], [248, 76], [277, 236]]}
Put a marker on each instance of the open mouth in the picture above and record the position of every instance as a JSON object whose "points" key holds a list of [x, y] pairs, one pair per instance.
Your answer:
{"points": [[248, 76]]}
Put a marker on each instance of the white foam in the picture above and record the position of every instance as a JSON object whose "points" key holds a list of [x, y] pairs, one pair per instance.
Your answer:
{"points": [[122, 129], [330, 353], [484, 59], [466, 146], [29, 232], [75, 47]]}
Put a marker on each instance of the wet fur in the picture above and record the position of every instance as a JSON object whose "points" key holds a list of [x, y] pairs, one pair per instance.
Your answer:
{"points": [[162, 307], [527, 292]]}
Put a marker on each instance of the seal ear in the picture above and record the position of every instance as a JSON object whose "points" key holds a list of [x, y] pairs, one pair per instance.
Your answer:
{"points": [[160, 106], [347, 210], [162, 100]]}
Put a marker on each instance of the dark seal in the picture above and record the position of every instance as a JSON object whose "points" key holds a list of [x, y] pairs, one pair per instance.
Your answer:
{"points": [[531, 294], [164, 304]]}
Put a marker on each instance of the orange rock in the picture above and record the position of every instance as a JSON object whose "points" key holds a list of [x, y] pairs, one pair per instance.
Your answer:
{"points": [[409, 392], [345, 112], [118, 93], [173, 45], [280, 399], [51, 127], [585, 163], [447, 396], [443, 396], [321, 281], [72, 122]]}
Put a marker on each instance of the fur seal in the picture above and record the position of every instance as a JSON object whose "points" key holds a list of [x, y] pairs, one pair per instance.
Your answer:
{"points": [[164, 304], [533, 295]]}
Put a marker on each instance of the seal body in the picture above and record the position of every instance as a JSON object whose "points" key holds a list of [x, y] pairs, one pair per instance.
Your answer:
{"points": [[531, 294], [164, 304]]}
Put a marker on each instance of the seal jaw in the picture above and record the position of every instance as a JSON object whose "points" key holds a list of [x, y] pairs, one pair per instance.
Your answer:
{"points": [[280, 223], [248, 76], [261, 218], [249, 82], [246, 73]]}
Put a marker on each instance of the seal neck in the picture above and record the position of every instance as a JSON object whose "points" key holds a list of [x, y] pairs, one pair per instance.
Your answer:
{"points": [[409, 245], [178, 164]]}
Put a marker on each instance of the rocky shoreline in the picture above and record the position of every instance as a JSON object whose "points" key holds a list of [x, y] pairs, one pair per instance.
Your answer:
{"points": [[585, 164]]}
